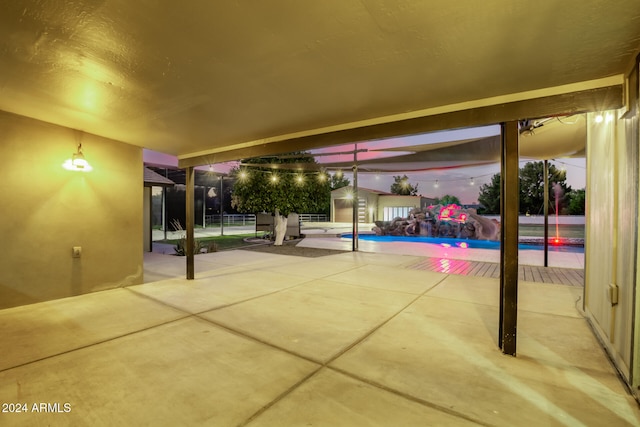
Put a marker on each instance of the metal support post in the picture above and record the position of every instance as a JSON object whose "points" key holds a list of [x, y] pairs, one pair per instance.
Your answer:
{"points": [[221, 208], [354, 240], [546, 213], [190, 221]]}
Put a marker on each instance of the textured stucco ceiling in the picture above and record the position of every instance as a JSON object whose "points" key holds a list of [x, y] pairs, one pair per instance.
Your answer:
{"points": [[186, 77]]}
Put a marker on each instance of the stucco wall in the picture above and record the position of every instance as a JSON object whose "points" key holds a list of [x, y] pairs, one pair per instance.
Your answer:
{"points": [[46, 210], [611, 233]]}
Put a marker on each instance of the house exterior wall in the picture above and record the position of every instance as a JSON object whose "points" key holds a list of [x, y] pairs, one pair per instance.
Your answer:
{"points": [[46, 210], [373, 208], [340, 204], [611, 234], [396, 201]]}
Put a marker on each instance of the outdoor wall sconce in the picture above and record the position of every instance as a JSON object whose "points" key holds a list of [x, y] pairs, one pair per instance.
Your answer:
{"points": [[77, 162]]}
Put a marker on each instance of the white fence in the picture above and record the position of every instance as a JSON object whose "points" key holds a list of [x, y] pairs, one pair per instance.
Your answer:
{"points": [[313, 218], [250, 219], [230, 219]]}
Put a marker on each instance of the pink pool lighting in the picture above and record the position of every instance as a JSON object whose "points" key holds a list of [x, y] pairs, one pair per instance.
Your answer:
{"points": [[461, 245], [452, 213]]}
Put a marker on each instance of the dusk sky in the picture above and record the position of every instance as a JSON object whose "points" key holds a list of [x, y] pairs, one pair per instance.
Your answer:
{"points": [[457, 182], [463, 182]]}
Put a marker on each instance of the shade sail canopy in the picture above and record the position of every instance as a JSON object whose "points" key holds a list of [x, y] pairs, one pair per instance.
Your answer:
{"points": [[550, 138]]}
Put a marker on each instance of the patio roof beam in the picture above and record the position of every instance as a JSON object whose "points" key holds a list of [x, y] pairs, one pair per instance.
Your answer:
{"points": [[599, 99]]}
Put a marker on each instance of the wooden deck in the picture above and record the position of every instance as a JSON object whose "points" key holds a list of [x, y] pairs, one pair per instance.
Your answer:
{"points": [[530, 273]]}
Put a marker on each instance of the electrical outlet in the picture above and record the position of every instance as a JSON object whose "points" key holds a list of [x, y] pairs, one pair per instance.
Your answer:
{"points": [[613, 293], [77, 251]]}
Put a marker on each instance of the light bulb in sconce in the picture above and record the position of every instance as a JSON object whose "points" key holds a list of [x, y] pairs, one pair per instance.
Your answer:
{"points": [[77, 162]]}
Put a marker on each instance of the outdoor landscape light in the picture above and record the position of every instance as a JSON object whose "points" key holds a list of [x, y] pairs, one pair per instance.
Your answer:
{"points": [[77, 162]]}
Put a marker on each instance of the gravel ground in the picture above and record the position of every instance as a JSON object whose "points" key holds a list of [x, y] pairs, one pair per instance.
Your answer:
{"points": [[290, 248]]}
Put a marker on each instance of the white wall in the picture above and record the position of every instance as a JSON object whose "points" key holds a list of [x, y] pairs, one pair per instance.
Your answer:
{"points": [[611, 233], [45, 210]]}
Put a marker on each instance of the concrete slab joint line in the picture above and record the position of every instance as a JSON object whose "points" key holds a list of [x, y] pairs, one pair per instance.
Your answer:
{"points": [[326, 365], [284, 345]]}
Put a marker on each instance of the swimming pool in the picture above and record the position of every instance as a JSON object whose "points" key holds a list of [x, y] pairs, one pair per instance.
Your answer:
{"points": [[463, 244]]}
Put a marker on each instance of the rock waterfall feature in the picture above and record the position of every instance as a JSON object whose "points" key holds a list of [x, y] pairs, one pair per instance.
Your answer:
{"points": [[441, 221]]}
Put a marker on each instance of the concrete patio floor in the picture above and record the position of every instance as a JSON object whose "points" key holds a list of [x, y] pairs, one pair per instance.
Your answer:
{"points": [[260, 339]]}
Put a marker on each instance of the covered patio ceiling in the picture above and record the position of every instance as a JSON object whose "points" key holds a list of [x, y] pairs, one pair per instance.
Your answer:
{"points": [[215, 81]]}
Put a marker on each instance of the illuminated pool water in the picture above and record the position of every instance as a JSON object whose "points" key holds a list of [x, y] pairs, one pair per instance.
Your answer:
{"points": [[464, 244]]}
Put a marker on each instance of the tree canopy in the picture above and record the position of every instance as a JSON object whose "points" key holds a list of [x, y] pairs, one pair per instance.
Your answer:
{"points": [[531, 190], [338, 180], [576, 202], [402, 187], [448, 199], [265, 189], [490, 195]]}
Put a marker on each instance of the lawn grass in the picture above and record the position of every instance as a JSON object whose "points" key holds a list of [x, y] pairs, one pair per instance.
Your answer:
{"points": [[564, 230], [232, 241]]}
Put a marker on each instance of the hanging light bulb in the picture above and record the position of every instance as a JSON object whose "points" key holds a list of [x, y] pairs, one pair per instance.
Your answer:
{"points": [[472, 181], [436, 185], [77, 162]]}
